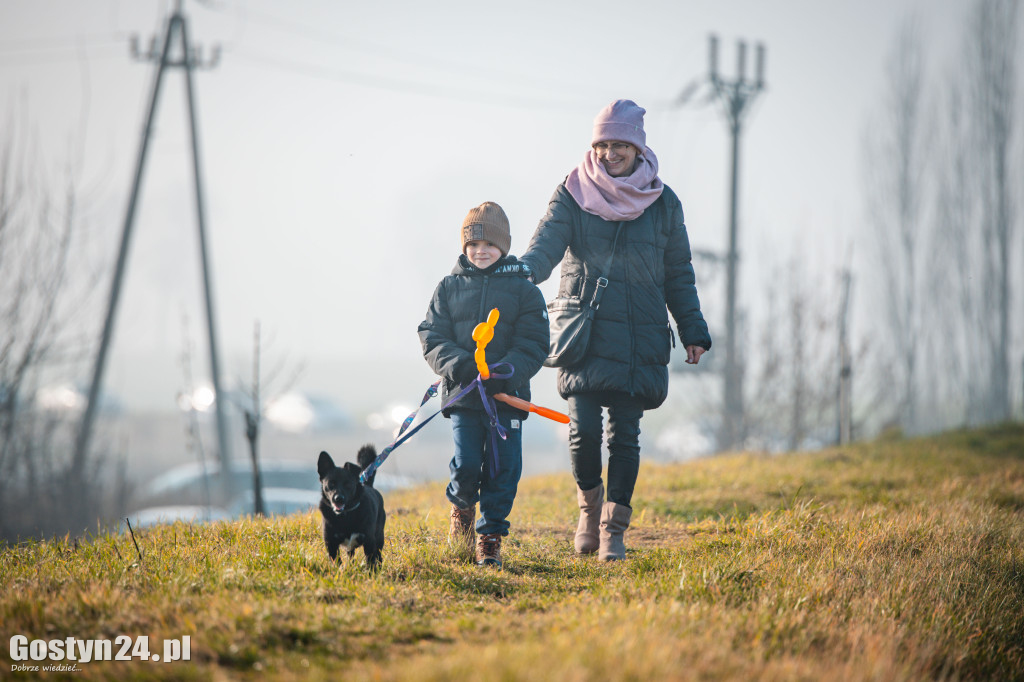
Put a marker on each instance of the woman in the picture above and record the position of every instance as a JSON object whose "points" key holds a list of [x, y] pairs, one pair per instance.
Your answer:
{"points": [[626, 366]]}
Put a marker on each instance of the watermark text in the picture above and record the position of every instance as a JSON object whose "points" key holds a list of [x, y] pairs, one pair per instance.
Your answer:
{"points": [[121, 648]]}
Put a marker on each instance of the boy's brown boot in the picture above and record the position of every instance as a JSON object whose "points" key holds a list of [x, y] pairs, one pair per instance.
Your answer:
{"points": [[488, 550], [590, 518], [614, 522], [460, 529]]}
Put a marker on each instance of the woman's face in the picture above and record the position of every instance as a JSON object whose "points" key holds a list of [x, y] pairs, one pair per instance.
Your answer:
{"points": [[618, 158]]}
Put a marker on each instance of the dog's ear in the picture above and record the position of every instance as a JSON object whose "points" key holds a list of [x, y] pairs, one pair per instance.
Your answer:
{"points": [[324, 464], [353, 468]]}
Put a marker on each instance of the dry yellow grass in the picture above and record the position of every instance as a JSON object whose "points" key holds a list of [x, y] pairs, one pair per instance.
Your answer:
{"points": [[896, 560]]}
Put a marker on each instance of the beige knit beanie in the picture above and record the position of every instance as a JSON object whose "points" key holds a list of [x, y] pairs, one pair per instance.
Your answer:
{"points": [[487, 222]]}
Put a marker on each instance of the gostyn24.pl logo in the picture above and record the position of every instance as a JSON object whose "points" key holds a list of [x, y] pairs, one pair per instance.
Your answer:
{"points": [[71, 650]]}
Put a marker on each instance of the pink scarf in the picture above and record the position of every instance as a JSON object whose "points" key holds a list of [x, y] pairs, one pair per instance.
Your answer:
{"points": [[615, 199]]}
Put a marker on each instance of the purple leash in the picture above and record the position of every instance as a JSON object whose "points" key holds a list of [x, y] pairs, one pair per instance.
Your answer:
{"points": [[492, 414], [489, 407]]}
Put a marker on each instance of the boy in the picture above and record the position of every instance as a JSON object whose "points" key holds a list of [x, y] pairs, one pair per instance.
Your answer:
{"points": [[484, 277]]}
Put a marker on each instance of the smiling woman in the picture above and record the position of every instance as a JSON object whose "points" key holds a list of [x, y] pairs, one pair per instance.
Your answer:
{"points": [[618, 158], [616, 192]]}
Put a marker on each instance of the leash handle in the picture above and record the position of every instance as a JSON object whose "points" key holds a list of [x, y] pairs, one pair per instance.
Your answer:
{"points": [[526, 406], [482, 334]]}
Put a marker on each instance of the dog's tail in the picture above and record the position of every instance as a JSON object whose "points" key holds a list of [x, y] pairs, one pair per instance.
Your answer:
{"points": [[365, 458]]}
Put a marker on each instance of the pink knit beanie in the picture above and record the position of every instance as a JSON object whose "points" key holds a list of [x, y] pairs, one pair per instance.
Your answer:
{"points": [[621, 120]]}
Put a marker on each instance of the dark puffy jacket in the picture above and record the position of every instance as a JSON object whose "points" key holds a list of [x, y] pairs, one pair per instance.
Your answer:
{"points": [[461, 301], [631, 340]]}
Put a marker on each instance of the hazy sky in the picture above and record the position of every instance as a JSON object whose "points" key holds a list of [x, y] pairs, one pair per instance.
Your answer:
{"points": [[342, 144]]}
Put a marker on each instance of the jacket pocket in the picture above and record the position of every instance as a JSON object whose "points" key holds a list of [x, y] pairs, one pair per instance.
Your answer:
{"points": [[665, 342]]}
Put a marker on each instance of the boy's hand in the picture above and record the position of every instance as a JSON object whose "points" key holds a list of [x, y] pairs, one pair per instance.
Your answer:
{"points": [[492, 386], [466, 373]]}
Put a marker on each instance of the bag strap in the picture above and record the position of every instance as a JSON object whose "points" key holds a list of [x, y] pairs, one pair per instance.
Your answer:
{"points": [[602, 280]]}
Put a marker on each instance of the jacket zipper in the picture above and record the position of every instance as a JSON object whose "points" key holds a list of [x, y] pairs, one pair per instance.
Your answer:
{"points": [[482, 313]]}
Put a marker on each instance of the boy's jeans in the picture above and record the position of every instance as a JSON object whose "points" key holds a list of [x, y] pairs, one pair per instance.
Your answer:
{"points": [[472, 479]]}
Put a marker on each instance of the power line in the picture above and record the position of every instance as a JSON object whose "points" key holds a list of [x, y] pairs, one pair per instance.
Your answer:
{"points": [[69, 48], [67, 42], [56, 52], [408, 86], [417, 58]]}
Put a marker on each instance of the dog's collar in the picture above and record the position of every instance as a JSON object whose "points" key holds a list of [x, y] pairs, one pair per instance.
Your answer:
{"points": [[346, 510], [358, 499]]}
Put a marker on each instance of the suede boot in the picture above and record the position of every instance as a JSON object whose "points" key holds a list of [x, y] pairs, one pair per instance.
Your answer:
{"points": [[488, 550], [590, 518], [614, 522], [461, 533]]}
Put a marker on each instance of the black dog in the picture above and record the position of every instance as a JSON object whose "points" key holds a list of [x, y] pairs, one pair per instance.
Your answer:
{"points": [[353, 512]]}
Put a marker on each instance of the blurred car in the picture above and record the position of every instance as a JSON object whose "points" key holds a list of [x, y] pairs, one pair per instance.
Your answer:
{"points": [[152, 516], [288, 487], [276, 502]]}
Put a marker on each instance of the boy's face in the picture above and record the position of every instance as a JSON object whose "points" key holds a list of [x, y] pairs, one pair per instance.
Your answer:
{"points": [[482, 254]]}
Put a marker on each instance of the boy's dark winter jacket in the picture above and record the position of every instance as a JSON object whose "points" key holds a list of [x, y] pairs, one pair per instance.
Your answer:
{"points": [[461, 301], [631, 340]]}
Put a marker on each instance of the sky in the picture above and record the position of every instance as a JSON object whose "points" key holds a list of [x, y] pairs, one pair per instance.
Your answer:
{"points": [[341, 145]]}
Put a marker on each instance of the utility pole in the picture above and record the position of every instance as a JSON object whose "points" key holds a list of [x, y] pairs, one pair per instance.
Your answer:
{"points": [[188, 58], [736, 97]]}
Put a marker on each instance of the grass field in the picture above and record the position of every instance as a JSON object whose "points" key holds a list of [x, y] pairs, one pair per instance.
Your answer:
{"points": [[891, 560]]}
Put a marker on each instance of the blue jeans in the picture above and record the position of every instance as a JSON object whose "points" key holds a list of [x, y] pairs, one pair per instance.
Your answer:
{"points": [[586, 433], [472, 479]]}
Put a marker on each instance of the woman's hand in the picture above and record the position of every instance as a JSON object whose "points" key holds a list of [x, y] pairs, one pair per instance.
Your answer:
{"points": [[693, 354]]}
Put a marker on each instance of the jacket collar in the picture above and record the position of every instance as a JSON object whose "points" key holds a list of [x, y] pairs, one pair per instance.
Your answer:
{"points": [[506, 266]]}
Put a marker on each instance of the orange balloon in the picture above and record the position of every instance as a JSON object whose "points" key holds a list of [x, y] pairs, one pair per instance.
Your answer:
{"points": [[482, 334]]}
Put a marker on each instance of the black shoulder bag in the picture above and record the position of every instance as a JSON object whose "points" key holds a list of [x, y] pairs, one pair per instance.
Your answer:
{"points": [[571, 319]]}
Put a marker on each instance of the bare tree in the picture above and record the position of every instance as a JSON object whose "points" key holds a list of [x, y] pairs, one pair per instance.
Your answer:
{"points": [[957, 305], [794, 380], [40, 338], [895, 163], [975, 224], [254, 411], [34, 249], [844, 362], [990, 70], [252, 427]]}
